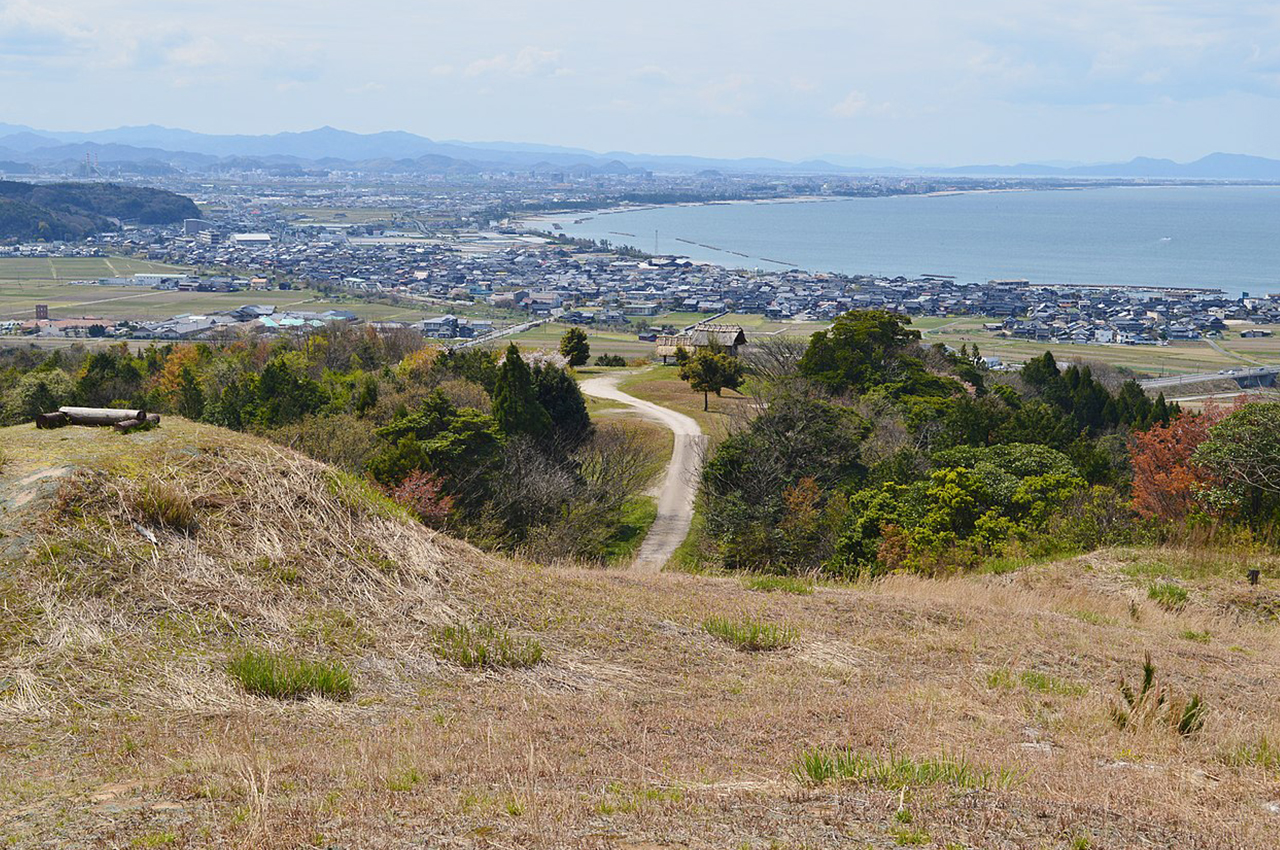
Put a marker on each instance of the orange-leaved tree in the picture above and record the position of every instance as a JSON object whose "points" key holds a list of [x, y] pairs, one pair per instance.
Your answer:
{"points": [[1165, 480]]}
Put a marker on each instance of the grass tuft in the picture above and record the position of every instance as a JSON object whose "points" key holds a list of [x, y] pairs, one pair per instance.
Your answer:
{"points": [[1033, 680], [1260, 753], [751, 635], [162, 505], [1151, 703], [286, 677], [1168, 595], [820, 765], [360, 497], [485, 646], [780, 584]]}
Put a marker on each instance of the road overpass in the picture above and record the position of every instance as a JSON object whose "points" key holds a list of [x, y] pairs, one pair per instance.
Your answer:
{"points": [[1245, 378]]}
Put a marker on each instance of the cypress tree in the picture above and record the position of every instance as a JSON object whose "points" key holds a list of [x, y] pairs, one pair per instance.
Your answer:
{"points": [[515, 401]]}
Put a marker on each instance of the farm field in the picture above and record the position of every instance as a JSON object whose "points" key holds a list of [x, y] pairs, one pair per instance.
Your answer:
{"points": [[26, 282], [1182, 357], [623, 342]]}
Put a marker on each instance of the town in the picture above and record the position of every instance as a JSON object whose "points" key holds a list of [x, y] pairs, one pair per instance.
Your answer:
{"points": [[473, 275]]}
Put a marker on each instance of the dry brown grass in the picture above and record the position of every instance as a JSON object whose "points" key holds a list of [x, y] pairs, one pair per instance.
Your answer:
{"points": [[637, 729]]}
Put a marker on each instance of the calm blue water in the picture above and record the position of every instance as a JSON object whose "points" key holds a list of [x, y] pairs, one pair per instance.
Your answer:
{"points": [[1217, 236]]}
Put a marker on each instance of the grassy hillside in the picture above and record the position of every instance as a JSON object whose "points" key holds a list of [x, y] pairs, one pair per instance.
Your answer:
{"points": [[160, 587], [74, 210]]}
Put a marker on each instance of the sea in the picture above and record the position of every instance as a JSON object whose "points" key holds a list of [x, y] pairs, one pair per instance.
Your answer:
{"points": [[1220, 237]]}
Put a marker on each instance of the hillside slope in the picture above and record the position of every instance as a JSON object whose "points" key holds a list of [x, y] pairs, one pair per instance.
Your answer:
{"points": [[56, 211], [980, 707]]}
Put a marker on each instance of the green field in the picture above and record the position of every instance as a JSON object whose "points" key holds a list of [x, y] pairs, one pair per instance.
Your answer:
{"points": [[1183, 357], [623, 342], [26, 282]]}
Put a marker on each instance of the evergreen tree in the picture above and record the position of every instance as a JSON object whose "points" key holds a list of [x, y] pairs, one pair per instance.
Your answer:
{"points": [[1160, 411], [190, 397], [516, 408], [559, 395], [575, 348]]}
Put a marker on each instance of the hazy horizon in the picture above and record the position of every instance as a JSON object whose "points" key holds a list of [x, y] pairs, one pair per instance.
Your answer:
{"points": [[920, 82]]}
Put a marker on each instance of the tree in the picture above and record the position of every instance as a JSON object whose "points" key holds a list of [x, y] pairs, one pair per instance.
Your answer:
{"points": [[575, 348], [516, 408], [560, 396], [709, 371], [862, 349], [42, 391], [190, 397], [286, 394], [461, 445], [1166, 480], [1244, 451]]}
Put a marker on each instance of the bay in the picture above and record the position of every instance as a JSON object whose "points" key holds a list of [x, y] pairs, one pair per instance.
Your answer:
{"points": [[1225, 237]]}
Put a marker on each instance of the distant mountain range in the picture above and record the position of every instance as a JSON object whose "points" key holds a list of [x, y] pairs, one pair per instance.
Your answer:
{"points": [[153, 149]]}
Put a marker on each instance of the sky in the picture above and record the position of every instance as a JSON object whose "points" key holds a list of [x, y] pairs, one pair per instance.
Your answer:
{"points": [[913, 81]]}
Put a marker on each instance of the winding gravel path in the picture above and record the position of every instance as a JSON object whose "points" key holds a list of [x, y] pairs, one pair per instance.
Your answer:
{"points": [[679, 486]]}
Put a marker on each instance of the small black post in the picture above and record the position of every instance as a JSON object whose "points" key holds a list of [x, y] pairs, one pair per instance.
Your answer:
{"points": [[1253, 576]]}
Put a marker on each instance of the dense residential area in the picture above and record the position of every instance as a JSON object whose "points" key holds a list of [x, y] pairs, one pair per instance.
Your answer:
{"points": [[523, 272]]}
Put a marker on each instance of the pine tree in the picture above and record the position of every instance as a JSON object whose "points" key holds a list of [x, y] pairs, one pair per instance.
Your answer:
{"points": [[1160, 412], [575, 348], [515, 401], [190, 397]]}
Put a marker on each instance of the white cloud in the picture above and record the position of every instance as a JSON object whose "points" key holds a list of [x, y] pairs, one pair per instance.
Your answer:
{"points": [[854, 104], [527, 62]]}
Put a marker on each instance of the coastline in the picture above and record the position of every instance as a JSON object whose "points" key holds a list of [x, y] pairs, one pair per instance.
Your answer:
{"points": [[878, 243]]}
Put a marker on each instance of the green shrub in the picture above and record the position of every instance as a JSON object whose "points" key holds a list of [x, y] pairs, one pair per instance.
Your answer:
{"points": [[750, 635], [163, 505], [782, 584], [485, 646], [286, 677], [1168, 595], [820, 765]]}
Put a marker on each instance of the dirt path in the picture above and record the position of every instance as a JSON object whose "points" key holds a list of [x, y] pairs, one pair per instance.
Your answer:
{"points": [[680, 484]]}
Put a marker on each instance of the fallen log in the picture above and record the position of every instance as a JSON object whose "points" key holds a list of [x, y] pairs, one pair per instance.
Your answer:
{"points": [[152, 420], [57, 419], [100, 415]]}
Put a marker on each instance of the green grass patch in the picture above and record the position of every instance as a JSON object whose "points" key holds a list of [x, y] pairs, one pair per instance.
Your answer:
{"points": [[483, 646], [281, 676], [1167, 595], [696, 554], [638, 515], [620, 798], [359, 496], [1033, 680], [1195, 637], [1043, 683], [751, 635], [1260, 753], [778, 584], [1093, 618], [820, 765]]}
